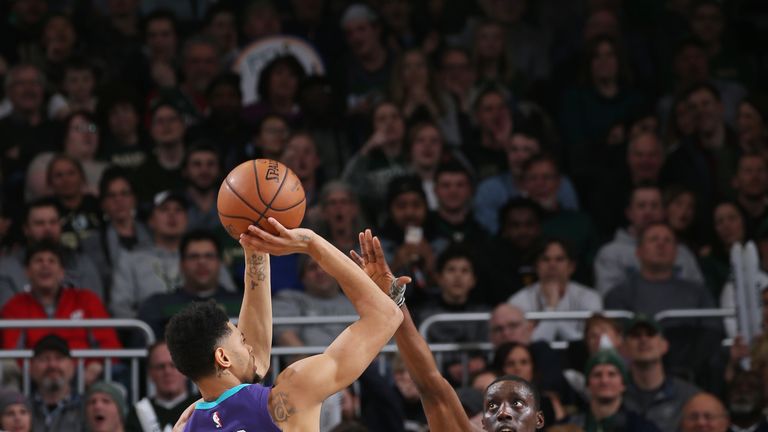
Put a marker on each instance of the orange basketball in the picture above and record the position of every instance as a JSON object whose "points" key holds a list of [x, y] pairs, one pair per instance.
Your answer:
{"points": [[256, 190]]}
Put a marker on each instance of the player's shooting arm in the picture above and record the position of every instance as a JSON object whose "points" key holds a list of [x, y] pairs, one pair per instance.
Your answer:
{"points": [[441, 404], [306, 383], [255, 320]]}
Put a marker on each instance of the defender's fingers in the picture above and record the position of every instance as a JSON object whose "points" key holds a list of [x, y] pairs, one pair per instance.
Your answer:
{"points": [[357, 259]]}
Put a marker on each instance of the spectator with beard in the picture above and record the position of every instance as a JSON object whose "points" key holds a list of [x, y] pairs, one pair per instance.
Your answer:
{"points": [[49, 298], [301, 156], [55, 405], [162, 169], [202, 172], [105, 408], [171, 396], [746, 402], [512, 254], [42, 221]]}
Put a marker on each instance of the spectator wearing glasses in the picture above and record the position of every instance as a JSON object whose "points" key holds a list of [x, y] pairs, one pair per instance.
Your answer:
{"points": [[705, 412], [200, 266], [171, 398]]}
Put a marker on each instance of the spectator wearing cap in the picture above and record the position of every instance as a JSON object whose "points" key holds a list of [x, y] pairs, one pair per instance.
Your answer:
{"points": [[705, 412], [154, 270], [606, 376], [555, 291], [162, 168], [105, 408], [55, 405], [48, 298], [15, 412], [650, 391], [171, 396], [366, 70], [42, 221], [200, 270]]}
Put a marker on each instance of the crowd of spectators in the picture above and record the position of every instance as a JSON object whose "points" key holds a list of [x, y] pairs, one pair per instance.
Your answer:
{"points": [[512, 156]]}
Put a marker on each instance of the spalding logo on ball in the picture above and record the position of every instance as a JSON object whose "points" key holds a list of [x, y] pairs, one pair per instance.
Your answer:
{"points": [[256, 190]]}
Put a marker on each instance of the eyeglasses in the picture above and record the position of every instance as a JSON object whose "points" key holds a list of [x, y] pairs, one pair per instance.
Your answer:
{"points": [[86, 128]]}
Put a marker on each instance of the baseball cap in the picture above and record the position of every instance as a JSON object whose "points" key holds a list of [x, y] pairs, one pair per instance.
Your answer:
{"points": [[51, 342], [642, 320], [165, 196]]}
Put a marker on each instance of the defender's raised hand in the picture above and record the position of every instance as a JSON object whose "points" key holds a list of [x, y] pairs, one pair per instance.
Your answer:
{"points": [[375, 264]]}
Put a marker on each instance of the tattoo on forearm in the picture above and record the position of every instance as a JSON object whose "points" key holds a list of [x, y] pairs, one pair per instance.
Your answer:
{"points": [[256, 264], [281, 407]]}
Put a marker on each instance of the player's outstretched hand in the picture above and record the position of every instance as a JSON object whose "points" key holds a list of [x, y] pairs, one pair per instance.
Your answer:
{"points": [[374, 263], [287, 242]]}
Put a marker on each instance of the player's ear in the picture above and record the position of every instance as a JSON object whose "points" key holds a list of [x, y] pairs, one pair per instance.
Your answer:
{"points": [[539, 419], [221, 358]]}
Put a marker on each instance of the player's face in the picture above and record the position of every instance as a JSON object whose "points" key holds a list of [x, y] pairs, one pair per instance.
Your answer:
{"points": [[241, 355], [510, 406]]}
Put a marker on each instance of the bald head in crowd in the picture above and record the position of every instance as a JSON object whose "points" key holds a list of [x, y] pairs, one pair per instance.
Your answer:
{"points": [[704, 413], [508, 324]]}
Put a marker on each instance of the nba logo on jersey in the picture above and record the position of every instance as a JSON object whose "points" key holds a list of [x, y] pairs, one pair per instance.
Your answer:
{"points": [[217, 419]]}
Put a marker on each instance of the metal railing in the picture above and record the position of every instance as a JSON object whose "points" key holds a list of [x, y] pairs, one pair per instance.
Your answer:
{"points": [[106, 355]]}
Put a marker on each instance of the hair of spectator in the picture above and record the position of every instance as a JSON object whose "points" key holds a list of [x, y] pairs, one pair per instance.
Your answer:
{"points": [[215, 10], [151, 349], [270, 116], [200, 39], [164, 102], [198, 235], [224, 79], [415, 129], [80, 63], [13, 72], [398, 86], [201, 146], [382, 103], [161, 14], [523, 381], [40, 203], [597, 319], [538, 158], [623, 74], [111, 175], [336, 186], [701, 3], [454, 49], [114, 97], [45, 245], [704, 86], [455, 252], [689, 42], [641, 236], [486, 90], [453, 166], [286, 60], [672, 192], [87, 115], [519, 203], [645, 185], [563, 243], [633, 140], [193, 335], [404, 184], [63, 157], [759, 104]]}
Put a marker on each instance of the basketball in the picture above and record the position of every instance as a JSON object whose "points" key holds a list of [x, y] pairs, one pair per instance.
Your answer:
{"points": [[256, 190]]}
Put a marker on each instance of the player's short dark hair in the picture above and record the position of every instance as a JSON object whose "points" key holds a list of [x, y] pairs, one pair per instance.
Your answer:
{"points": [[193, 334], [523, 381], [196, 236]]}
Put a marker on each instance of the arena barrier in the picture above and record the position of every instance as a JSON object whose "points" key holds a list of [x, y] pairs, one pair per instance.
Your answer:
{"points": [[133, 355]]}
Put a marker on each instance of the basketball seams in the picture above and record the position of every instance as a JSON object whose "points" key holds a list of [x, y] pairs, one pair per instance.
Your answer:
{"points": [[289, 207], [274, 197], [256, 181], [237, 194]]}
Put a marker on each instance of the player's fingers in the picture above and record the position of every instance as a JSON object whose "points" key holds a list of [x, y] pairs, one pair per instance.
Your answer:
{"points": [[369, 244], [403, 280], [278, 226], [364, 249], [378, 251], [357, 259]]}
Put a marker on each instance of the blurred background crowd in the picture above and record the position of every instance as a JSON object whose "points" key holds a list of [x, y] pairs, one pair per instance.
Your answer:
{"points": [[513, 156]]}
